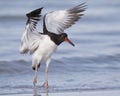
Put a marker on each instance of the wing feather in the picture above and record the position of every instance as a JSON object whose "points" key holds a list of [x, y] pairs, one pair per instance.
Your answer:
{"points": [[58, 21], [31, 38]]}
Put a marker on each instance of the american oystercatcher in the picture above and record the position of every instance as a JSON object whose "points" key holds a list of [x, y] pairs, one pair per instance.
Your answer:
{"points": [[42, 45]]}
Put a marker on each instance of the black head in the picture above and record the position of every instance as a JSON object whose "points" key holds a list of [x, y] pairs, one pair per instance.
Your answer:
{"points": [[64, 37], [58, 39]]}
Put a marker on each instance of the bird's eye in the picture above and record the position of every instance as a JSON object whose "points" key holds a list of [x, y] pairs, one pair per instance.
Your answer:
{"points": [[62, 36]]}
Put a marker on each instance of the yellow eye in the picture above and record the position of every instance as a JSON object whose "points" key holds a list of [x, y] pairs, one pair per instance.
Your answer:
{"points": [[62, 36]]}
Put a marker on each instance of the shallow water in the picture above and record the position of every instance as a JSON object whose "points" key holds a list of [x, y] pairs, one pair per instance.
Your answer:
{"points": [[92, 64]]}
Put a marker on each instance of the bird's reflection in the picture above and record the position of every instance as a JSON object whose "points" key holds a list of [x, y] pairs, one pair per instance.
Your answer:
{"points": [[36, 91]]}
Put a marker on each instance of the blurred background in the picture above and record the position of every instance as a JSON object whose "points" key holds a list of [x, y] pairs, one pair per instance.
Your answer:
{"points": [[96, 34], [94, 62]]}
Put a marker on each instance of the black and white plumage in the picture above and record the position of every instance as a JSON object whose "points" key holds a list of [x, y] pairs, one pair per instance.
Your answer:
{"points": [[42, 45], [63, 19], [31, 39]]}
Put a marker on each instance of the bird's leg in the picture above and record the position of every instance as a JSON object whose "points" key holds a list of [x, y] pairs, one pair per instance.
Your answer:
{"points": [[35, 76], [46, 77]]}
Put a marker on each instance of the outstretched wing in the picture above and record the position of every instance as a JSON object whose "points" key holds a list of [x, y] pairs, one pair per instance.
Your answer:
{"points": [[30, 39], [33, 18], [58, 21]]}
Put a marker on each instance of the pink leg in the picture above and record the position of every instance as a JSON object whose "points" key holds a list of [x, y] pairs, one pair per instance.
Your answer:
{"points": [[46, 78], [35, 76]]}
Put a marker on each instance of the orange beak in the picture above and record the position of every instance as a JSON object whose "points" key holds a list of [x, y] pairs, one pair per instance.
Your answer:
{"points": [[67, 40]]}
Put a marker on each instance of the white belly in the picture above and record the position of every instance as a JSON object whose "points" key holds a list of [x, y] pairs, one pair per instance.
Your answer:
{"points": [[44, 51]]}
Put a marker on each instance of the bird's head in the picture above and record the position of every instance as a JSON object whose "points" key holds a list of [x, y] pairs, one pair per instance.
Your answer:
{"points": [[64, 37]]}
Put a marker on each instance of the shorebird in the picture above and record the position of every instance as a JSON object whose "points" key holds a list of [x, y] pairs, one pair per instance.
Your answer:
{"points": [[42, 45]]}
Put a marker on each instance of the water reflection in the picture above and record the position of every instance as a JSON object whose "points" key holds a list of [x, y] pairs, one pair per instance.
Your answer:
{"points": [[36, 93]]}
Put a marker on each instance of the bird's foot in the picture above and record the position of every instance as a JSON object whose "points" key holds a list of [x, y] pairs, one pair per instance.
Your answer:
{"points": [[45, 84], [34, 81]]}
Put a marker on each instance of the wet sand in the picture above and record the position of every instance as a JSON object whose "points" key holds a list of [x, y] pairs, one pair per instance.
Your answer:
{"points": [[91, 68], [81, 93], [47, 92]]}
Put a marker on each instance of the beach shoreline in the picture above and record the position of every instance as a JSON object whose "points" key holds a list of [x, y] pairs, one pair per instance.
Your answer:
{"points": [[81, 93]]}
